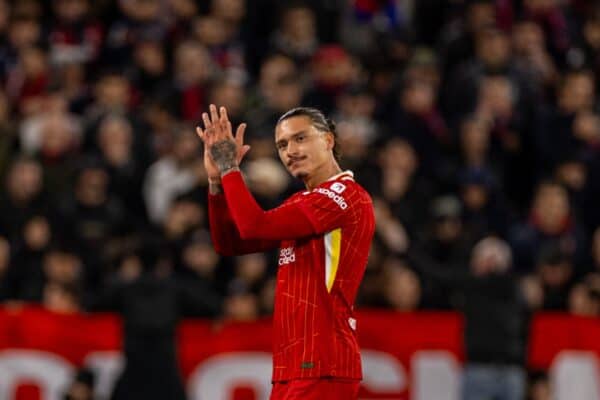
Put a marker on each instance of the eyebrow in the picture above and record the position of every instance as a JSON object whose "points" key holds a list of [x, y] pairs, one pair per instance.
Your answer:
{"points": [[280, 141]]}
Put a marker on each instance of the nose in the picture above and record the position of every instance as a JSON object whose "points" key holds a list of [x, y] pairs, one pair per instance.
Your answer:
{"points": [[291, 149]]}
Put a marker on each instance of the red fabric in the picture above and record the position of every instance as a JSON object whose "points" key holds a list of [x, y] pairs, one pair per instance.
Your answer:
{"points": [[252, 222], [315, 389], [552, 333], [312, 334], [225, 236]]}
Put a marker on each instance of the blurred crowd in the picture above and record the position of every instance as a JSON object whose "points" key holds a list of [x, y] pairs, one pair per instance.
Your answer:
{"points": [[474, 124]]}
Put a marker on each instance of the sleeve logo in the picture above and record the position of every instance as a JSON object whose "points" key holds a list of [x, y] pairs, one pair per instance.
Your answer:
{"points": [[338, 187]]}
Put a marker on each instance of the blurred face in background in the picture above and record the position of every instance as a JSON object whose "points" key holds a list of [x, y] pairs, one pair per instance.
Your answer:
{"points": [[186, 147], [402, 289], [33, 62], [183, 9], [92, 187], [230, 94], [528, 37], [58, 136], [37, 233], [577, 92], [141, 10], [23, 33], [298, 24], [490, 255], [251, 268], [150, 57], [211, 31], [113, 92], [24, 180], [493, 48], [540, 6], [192, 64], [551, 207], [398, 154], [183, 216], [231, 11], [481, 15], [418, 97], [474, 140], [62, 267], [302, 148], [279, 83], [71, 10], [115, 139], [200, 257], [496, 94]]}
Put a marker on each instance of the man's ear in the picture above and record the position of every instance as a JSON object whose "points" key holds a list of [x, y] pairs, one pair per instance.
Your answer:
{"points": [[330, 139]]}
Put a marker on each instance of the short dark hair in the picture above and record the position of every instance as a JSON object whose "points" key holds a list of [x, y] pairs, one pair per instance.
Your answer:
{"points": [[318, 120]]}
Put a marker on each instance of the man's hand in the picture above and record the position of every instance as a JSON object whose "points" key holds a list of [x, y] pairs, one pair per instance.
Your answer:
{"points": [[222, 151]]}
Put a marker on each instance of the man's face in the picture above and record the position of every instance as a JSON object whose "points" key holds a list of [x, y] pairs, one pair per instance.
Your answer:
{"points": [[302, 148]]}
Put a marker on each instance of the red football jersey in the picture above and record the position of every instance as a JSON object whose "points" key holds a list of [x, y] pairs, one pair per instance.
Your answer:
{"points": [[317, 281], [327, 235]]}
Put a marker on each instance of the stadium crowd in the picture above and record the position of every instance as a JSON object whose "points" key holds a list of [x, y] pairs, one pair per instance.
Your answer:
{"points": [[474, 125]]}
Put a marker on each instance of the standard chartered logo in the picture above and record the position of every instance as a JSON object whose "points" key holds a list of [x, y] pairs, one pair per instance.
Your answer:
{"points": [[339, 200], [286, 256]]}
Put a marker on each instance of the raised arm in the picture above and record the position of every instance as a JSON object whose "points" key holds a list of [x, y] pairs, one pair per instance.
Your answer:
{"points": [[225, 236], [225, 152]]}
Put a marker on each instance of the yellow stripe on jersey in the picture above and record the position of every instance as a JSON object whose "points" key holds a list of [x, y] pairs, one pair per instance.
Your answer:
{"points": [[333, 242]]}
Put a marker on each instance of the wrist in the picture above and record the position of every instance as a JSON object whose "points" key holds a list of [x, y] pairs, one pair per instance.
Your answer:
{"points": [[215, 188], [214, 180], [226, 171]]}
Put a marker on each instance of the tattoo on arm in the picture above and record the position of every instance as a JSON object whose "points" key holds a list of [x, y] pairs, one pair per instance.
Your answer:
{"points": [[215, 188], [224, 154]]}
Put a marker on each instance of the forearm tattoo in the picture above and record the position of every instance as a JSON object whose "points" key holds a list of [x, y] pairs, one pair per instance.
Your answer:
{"points": [[224, 154], [215, 188]]}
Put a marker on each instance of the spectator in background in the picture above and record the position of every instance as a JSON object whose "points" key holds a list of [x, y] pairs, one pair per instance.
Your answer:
{"points": [[93, 219], [418, 120], [28, 81], [149, 72], [192, 71], [445, 242], [554, 268], [397, 181], [278, 89], [125, 167], [401, 286], [23, 196], [496, 320], [484, 211], [532, 57], [333, 70], [152, 301], [571, 125], [74, 37], [296, 36], [173, 174], [140, 19], [551, 221]]}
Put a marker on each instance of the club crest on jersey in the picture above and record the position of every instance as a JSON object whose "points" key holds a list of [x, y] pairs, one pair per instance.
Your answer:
{"points": [[338, 187], [286, 256]]}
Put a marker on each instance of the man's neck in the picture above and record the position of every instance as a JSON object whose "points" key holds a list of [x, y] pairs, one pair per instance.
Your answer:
{"points": [[321, 175]]}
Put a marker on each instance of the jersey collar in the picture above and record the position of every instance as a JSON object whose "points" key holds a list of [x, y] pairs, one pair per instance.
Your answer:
{"points": [[345, 175]]}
